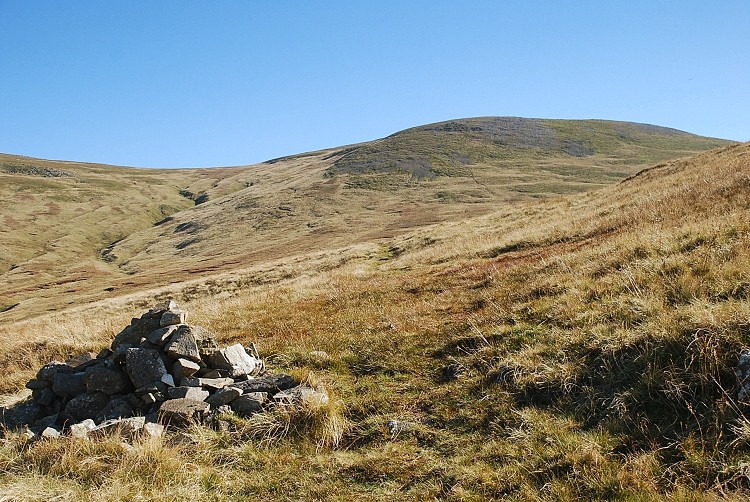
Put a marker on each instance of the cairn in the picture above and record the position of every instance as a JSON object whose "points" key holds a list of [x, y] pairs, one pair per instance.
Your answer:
{"points": [[159, 371]]}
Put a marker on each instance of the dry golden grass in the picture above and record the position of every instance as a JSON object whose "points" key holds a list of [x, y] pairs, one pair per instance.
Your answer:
{"points": [[567, 349]]}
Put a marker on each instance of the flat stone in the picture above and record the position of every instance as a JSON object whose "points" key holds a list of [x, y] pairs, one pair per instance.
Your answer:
{"points": [[82, 429], [184, 368], [171, 317], [194, 393], [127, 427], [161, 336], [162, 307], [233, 359], [213, 374], [183, 345], [211, 383], [247, 404], [182, 412], [168, 379], [86, 406], [271, 383], [144, 366], [223, 396], [107, 380], [302, 393], [69, 384], [37, 384]]}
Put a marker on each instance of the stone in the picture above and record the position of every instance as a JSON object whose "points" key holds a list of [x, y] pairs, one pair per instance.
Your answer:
{"points": [[37, 384], [172, 317], [153, 430], [213, 374], [184, 368], [107, 380], [271, 383], [48, 421], [162, 307], [69, 384], [117, 408], [247, 404], [82, 429], [126, 427], [82, 361], [104, 354], [144, 367], [302, 393], [396, 427], [194, 393], [223, 396], [182, 412], [20, 415], [137, 331], [161, 336], [48, 371], [183, 345], [50, 433], [233, 359], [121, 352], [45, 397], [205, 339], [211, 383], [168, 380], [149, 398], [86, 406]]}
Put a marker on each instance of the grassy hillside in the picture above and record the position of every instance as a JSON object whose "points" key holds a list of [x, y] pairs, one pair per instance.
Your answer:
{"points": [[99, 232], [568, 348]]}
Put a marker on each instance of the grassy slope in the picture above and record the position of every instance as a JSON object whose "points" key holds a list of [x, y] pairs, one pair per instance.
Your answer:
{"points": [[581, 347], [315, 202]]}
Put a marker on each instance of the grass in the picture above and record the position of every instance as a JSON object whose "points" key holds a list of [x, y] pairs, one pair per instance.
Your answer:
{"points": [[581, 347]]}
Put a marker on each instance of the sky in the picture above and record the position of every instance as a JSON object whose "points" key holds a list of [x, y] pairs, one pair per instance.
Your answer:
{"points": [[217, 83]]}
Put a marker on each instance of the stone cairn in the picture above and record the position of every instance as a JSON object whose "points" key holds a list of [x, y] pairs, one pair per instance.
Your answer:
{"points": [[159, 371]]}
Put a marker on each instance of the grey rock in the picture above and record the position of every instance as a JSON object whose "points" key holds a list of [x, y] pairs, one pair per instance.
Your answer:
{"points": [[214, 374], [144, 366], [50, 433], [223, 396], [168, 380], [211, 383], [82, 361], [121, 352], [270, 383], [126, 427], [107, 380], [149, 398], [247, 404], [302, 393], [182, 412], [48, 371], [161, 336], [233, 359], [172, 317], [20, 415], [183, 345], [117, 408], [69, 384], [184, 368], [396, 427], [194, 393], [37, 384], [45, 397], [153, 430], [48, 421], [86, 406], [82, 429], [137, 331], [162, 307]]}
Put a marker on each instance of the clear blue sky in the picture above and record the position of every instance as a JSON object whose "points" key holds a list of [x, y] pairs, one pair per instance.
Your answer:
{"points": [[208, 83]]}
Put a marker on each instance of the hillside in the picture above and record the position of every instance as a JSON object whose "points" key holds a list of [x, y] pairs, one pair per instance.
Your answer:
{"points": [[572, 348], [76, 233]]}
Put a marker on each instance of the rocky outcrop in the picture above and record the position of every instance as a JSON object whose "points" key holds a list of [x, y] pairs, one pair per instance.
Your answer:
{"points": [[158, 371]]}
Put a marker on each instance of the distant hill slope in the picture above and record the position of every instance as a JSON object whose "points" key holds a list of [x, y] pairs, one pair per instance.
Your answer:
{"points": [[74, 233]]}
